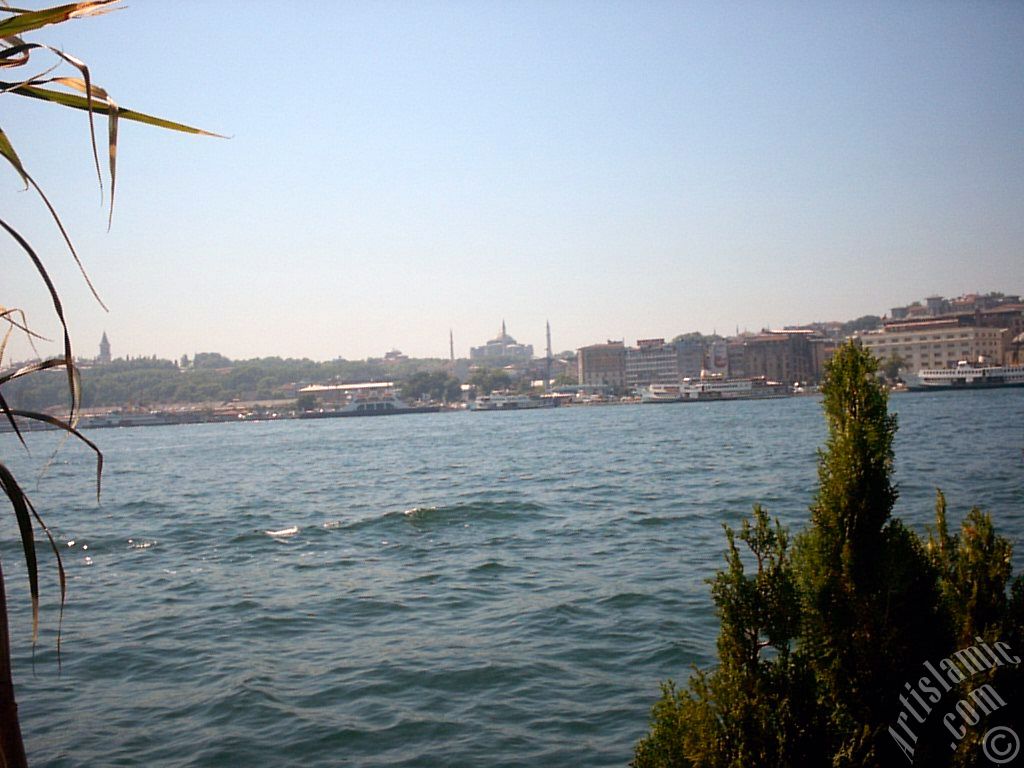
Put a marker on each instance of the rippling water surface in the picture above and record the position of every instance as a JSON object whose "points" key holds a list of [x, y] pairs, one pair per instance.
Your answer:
{"points": [[458, 589]]}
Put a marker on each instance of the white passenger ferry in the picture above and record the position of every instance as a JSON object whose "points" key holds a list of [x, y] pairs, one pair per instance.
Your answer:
{"points": [[369, 399], [966, 376], [661, 393], [721, 388], [505, 402], [713, 387]]}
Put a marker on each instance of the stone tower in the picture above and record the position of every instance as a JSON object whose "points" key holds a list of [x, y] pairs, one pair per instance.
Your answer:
{"points": [[104, 349]]}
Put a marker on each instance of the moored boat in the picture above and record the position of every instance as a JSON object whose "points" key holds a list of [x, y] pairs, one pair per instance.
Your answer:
{"points": [[965, 376], [371, 399], [505, 402], [661, 393], [714, 387]]}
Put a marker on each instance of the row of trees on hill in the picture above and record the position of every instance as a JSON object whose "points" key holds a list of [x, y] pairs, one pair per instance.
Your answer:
{"points": [[208, 377], [211, 377], [856, 643]]}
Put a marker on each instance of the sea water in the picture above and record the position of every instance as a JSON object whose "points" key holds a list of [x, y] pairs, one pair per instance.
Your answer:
{"points": [[456, 589]]}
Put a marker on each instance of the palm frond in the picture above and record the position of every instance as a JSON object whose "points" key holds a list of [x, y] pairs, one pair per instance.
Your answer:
{"points": [[95, 92], [78, 102], [26, 21], [67, 241], [25, 370], [73, 384], [14, 55], [26, 513], [22, 325], [11, 420], [7, 150], [22, 513], [12, 750], [86, 80], [71, 430]]}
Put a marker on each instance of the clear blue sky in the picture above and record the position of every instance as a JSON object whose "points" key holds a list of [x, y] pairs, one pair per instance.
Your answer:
{"points": [[626, 170]]}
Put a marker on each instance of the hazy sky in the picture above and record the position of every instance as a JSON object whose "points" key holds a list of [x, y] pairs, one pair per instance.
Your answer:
{"points": [[626, 170]]}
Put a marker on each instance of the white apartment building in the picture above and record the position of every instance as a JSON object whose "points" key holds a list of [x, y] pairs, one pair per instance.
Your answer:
{"points": [[652, 361], [935, 343]]}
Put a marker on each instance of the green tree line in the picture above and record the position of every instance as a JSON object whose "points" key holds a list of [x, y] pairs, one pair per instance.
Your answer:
{"points": [[208, 377]]}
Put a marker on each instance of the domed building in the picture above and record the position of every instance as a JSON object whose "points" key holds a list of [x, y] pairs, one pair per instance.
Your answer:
{"points": [[503, 348]]}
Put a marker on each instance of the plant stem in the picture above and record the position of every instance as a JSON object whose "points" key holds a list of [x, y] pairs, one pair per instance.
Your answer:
{"points": [[12, 749]]}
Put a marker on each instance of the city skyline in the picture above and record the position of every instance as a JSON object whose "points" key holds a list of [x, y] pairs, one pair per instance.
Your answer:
{"points": [[476, 353], [624, 172]]}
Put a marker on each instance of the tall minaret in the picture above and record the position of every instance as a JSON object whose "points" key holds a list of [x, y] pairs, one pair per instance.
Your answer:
{"points": [[451, 346], [547, 367], [503, 334]]}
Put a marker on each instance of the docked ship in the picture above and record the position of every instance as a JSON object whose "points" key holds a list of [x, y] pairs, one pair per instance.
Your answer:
{"points": [[126, 419], [503, 402], [371, 399], [965, 376], [721, 388], [661, 393], [713, 387]]}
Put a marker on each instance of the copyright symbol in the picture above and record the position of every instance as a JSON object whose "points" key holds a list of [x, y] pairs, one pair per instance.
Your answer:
{"points": [[1001, 745]]}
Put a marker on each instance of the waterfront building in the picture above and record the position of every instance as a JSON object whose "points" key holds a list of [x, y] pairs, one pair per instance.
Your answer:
{"points": [[716, 360], [502, 348], [1007, 315], [786, 356], [651, 361], [690, 354], [602, 365], [937, 343], [1015, 354], [822, 349], [736, 356], [563, 366]]}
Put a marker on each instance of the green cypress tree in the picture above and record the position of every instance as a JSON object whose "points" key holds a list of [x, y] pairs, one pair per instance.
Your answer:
{"points": [[870, 609]]}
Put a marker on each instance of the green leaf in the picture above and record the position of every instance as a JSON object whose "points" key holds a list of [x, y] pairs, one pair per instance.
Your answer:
{"points": [[53, 421], [79, 102], [7, 150], [73, 383], [27, 21], [23, 515]]}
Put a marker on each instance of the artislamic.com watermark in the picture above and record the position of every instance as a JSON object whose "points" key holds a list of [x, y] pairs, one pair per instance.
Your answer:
{"points": [[1000, 744]]}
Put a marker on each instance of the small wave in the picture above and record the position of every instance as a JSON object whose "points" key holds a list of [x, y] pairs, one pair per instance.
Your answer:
{"points": [[141, 543], [283, 533], [656, 521], [419, 511], [445, 515], [491, 567], [624, 600], [472, 511]]}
